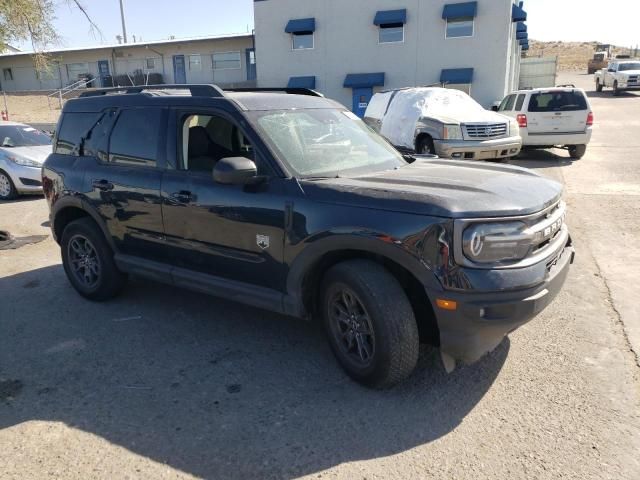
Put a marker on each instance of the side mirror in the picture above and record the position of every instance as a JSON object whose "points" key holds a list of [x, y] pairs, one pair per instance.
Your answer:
{"points": [[234, 171], [494, 108]]}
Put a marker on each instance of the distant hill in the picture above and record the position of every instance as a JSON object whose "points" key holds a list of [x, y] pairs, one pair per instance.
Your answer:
{"points": [[571, 55]]}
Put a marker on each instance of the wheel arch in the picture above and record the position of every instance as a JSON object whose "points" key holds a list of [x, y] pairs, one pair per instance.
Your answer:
{"points": [[306, 275], [68, 209]]}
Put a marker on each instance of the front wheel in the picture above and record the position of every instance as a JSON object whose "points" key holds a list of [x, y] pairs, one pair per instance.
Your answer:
{"points": [[577, 151], [7, 189], [598, 86], [425, 145], [370, 323], [88, 261], [616, 90]]}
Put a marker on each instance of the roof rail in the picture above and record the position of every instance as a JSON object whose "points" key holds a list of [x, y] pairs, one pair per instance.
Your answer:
{"points": [[566, 85], [288, 90], [196, 90]]}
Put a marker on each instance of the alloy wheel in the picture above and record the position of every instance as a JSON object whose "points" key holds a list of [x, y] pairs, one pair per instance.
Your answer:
{"points": [[5, 186], [351, 327], [84, 261]]}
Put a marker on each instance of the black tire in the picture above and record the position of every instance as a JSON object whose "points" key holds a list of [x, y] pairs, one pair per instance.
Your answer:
{"points": [[616, 90], [382, 309], [598, 85], [577, 151], [425, 145], [7, 188], [94, 275]]}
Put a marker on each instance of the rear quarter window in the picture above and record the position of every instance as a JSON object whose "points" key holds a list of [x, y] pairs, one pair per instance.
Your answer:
{"points": [[74, 126], [520, 102], [559, 101]]}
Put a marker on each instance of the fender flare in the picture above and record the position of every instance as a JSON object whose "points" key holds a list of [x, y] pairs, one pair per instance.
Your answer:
{"points": [[82, 204], [369, 243]]}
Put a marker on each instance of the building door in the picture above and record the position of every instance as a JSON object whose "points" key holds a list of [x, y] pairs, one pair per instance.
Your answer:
{"points": [[361, 98], [179, 71], [251, 63], [103, 72]]}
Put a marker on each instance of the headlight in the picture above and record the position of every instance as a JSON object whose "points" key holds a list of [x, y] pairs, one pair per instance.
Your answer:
{"points": [[25, 162], [514, 128], [451, 132], [496, 242]]}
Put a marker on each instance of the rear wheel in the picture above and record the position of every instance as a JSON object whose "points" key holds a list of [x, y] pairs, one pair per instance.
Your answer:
{"points": [[598, 85], [425, 145], [370, 323], [577, 151], [88, 261], [7, 189]]}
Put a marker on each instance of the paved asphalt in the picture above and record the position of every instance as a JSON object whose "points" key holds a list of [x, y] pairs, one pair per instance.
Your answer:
{"points": [[171, 384]]}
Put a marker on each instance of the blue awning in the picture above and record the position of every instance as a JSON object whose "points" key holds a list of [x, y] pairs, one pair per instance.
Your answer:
{"points": [[301, 25], [524, 42], [456, 75], [521, 27], [458, 10], [518, 14], [302, 82], [361, 80], [522, 35], [525, 47], [390, 17]]}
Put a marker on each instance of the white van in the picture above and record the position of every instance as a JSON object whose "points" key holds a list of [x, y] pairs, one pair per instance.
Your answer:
{"points": [[551, 117]]}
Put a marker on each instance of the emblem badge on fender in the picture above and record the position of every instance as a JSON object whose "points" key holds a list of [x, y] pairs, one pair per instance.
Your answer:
{"points": [[262, 241]]}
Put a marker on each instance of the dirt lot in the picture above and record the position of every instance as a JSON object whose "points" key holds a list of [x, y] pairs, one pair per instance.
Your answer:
{"points": [[170, 384]]}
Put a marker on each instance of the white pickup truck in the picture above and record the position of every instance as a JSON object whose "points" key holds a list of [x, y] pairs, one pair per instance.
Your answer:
{"points": [[619, 75]]}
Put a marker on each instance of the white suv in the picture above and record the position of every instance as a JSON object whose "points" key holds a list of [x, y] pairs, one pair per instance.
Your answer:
{"points": [[551, 117]]}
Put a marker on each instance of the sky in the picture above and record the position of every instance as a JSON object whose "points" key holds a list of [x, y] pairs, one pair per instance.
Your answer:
{"points": [[613, 21]]}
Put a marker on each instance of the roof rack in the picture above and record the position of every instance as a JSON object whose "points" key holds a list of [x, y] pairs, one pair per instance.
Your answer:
{"points": [[289, 90], [196, 90], [566, 85]]}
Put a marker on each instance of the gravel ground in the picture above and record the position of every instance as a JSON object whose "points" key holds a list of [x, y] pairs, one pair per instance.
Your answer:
{"points": [[170, 384]]}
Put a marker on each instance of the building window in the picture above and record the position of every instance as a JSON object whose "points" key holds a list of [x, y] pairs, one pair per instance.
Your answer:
{"points": [[226, 61], [77, 71], [391, 33], [8, 74], [459, 27], [150, 63], [195, 62], [302, 40]]}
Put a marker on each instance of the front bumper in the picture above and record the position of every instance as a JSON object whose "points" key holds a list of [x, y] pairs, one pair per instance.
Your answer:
{"points": [[482, 320], [478, 150], [25, 179]]}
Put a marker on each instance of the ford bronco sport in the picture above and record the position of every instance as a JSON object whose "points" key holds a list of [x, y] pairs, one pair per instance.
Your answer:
{"points": [[287, 201]]}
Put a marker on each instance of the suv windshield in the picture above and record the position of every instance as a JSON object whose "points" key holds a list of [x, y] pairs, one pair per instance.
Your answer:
{"points": [[325, 142], [22, 136], [560, 100], [629, 66]]}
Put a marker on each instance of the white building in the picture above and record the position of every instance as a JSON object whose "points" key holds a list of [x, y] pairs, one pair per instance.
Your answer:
{"points": [[349, 49], [225, 60]]}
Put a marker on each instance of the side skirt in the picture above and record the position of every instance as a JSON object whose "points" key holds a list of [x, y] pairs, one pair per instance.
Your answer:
{"points": [[233, 290]]}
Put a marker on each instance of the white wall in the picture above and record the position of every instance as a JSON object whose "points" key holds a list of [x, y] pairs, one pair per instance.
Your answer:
{"points": [[346, 41]]}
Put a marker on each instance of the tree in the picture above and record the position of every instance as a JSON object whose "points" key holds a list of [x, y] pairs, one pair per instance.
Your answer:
{"points": [[32, 20]]}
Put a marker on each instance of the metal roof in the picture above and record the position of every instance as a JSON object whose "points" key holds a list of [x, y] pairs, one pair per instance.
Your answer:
{"points": [[136, 44]]}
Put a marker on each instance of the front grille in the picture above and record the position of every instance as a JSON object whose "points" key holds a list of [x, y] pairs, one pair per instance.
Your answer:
{"points": [[30, 183], [633, 79], [485, 130]]}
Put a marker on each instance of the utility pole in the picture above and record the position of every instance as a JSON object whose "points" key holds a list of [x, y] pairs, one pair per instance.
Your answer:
{"points": [[124, 27]]}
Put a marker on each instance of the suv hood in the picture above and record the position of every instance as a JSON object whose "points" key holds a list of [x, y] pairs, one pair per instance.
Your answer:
{"points": [[454, 189], [469, 117], [630, 72]]}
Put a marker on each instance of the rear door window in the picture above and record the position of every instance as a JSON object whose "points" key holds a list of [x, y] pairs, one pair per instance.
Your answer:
{"points": [[136, 136], [558, 101]]}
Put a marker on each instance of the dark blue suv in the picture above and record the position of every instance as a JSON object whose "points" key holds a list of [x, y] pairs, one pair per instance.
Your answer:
{"points": [[287, 201]]}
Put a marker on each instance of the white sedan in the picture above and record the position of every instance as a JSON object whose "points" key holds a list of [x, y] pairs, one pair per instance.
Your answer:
{"points": [[23, 150]]}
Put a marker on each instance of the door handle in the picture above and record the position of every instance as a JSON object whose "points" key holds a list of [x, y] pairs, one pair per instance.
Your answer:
{"points": [[183, 196], [103, 185]]}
